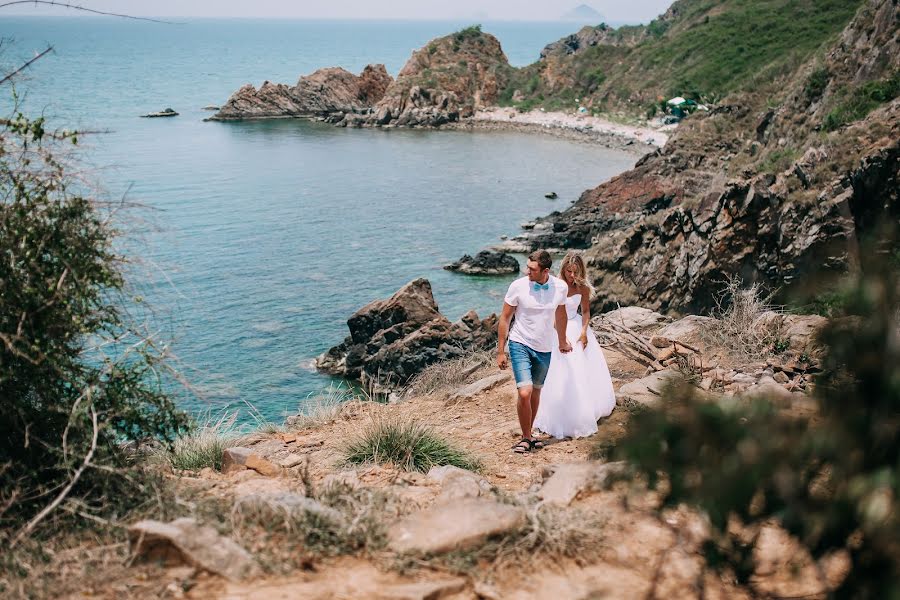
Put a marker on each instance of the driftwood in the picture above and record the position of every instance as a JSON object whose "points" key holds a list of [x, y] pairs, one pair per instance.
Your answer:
{"points": [[632, 344]]}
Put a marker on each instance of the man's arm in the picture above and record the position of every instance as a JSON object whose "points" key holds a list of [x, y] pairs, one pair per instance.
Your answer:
{"points": [[561, 320], [503, 333]]}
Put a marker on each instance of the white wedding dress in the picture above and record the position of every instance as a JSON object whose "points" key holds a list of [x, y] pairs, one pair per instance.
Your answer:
{"points": [[578, 390]]}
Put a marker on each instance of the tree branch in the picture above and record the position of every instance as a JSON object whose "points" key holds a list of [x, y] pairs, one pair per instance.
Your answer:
{"points": [[9, 76], [65, 492], [85, 9]]}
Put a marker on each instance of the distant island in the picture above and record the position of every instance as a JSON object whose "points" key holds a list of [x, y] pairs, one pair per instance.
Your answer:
{"points": [[584, 13]]}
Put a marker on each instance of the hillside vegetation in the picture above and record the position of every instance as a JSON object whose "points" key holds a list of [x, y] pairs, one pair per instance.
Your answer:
{"points": [[701, 49]]}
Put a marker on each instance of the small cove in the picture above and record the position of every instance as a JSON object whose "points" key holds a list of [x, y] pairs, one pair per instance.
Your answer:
{"points": [[257, 240]]}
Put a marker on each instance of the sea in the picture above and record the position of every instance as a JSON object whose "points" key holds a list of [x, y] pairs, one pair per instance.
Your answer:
{"points": [[253, 242]]}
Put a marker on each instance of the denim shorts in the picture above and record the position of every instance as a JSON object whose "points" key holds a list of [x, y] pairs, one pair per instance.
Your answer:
{"points": [[529, 366]]}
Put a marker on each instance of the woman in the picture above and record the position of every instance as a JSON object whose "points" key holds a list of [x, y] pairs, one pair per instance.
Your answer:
{"points": [[578, 390]]}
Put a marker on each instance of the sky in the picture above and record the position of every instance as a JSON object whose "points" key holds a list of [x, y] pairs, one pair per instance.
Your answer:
{"points": [[614, 11]]}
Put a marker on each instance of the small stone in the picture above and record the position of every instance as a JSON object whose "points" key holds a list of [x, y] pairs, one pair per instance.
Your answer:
{"points": [[234, 459], [781, 377], [658, 341], [665, 354], [482, 385], [706, 384], [262, 466]]}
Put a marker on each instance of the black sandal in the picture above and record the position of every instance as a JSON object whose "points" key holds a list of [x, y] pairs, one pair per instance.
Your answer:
{"points": [[537, 444], [523, 446]]}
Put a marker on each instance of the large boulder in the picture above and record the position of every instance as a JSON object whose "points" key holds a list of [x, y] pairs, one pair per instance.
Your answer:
{"points": [[184, 541], [445, 81], [393, 340], [456, 525], [324, 93], [486, 262]]}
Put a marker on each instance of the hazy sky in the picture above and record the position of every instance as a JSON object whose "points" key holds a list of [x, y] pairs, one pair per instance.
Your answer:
{"points": [[612, 10]]}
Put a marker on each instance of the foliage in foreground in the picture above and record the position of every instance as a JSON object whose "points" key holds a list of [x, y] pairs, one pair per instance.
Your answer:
{"points": [[77, 380], [834, 484], [406, 444]]}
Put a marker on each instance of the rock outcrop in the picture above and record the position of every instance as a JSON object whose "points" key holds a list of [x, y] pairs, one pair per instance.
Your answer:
{"points": [[590, 36], [446, 80], [327, 93], [393, 340], [486, 262]]}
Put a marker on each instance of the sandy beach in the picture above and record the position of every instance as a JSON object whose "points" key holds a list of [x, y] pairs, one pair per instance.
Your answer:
{"points": [[584, 127]]}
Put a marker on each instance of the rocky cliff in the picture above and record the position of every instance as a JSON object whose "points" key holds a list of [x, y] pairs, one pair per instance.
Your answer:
{"points": [[327, 93], [774, 184]]}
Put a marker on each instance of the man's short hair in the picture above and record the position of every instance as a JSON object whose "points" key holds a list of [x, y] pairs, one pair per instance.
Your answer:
{"points": [[542, 258]]}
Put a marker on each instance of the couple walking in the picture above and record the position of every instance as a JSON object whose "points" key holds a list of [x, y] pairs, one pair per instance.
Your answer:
{"points": [[562, 380]]}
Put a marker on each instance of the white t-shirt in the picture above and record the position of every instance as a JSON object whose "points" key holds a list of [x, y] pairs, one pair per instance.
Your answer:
{"points": [[535, 311]]}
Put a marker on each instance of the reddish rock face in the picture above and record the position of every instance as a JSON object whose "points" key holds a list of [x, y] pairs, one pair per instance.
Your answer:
{"points": [[633, 190], [373, 83]]}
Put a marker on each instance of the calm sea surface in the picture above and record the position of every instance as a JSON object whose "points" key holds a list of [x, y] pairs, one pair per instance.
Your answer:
{"points": [[259, 239]]}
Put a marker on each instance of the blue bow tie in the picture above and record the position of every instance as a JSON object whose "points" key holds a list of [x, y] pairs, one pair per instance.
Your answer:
{"points": [[538, 287]]}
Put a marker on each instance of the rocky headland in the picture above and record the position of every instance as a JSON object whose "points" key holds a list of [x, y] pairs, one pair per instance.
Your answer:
{"points": [[326, 94]]}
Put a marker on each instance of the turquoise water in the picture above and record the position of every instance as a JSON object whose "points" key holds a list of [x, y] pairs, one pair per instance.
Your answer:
{"points": [[257, 240]]}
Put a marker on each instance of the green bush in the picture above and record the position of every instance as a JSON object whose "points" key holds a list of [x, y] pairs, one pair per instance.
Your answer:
{"points": [[831, 481], [77, 380], [816, 84], [861, 101], [406, 444], [470, 32]]}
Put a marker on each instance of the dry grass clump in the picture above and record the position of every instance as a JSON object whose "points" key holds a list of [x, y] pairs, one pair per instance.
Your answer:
{"points": [[323, 408], [203, 445], [448, 375], [288, 530], [747, 327], [550, 533], [405, 443]]}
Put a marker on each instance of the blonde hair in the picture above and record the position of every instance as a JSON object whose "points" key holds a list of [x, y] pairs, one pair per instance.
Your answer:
{"points": [[573, 258]]}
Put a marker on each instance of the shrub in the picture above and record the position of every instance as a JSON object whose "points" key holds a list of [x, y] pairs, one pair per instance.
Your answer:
{"points": [[77, 378], [831, 481], [746, 326], [816, 84], [861, 101], [406, 444], [470, 32]]}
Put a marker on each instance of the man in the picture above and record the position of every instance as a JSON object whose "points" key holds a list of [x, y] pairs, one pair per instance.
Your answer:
{"points": [[536, 301]]}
